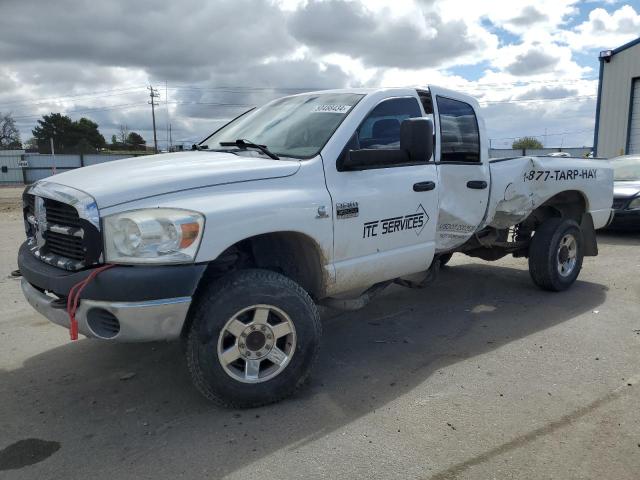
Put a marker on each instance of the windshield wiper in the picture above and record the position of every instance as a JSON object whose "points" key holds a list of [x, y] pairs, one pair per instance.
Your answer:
{"points": [[205, 148], [241, 143]]}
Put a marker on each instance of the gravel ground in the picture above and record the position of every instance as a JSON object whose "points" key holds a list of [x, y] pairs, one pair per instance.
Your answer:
{"points": [[480, 375]]}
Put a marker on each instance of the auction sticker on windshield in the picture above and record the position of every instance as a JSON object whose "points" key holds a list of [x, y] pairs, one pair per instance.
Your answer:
{"points": [[331, 108]]}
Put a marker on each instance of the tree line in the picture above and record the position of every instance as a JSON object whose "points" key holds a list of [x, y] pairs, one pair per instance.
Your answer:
{"points": [[69, 136]]}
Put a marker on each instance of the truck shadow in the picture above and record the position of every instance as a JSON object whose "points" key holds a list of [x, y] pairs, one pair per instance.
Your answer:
{"points": [[131, 408]]}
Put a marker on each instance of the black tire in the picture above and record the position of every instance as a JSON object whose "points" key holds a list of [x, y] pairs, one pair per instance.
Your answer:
{"points": [[444, 259], [544, 254], [221, 300]]}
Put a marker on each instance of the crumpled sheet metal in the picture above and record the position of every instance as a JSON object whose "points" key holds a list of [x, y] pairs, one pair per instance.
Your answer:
{"points": [[519, 186]]}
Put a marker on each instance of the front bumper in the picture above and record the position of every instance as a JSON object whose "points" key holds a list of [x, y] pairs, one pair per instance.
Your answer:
{"points": [[123, 283], [116, 321], [124, 303]]}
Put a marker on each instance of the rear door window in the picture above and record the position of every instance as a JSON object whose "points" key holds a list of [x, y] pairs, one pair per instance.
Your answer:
{"points": [[459, 133]]}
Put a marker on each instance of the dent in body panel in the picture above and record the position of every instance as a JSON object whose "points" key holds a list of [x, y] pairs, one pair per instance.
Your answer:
{"points": [[521, 185], [461, 209], [453, 230], [515, 206]]}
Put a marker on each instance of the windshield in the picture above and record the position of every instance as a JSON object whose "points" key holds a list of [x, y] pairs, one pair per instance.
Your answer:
{"points": [[297, 126], [626, 168]]}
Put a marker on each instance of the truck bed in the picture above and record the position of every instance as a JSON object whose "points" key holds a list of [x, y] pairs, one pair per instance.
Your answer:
{"points": [[521, 184]]}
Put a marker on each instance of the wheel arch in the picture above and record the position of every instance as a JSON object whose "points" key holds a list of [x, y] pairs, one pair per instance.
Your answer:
{"points": [[571, 204], [568, 204], [294, 254]]}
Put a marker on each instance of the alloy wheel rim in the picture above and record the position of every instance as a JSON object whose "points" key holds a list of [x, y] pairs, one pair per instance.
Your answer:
{"points": [[567, 255], [256, 344]]}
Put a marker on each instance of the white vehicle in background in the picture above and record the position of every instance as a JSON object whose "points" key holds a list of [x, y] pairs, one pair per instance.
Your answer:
{"points": [[558, 154], [323, 197]]}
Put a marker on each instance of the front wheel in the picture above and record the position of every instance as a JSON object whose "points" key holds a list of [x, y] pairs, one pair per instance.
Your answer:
{"points": [[253, 339], [555, 254]]}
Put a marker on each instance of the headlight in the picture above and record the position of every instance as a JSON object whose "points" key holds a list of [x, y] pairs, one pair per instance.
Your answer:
{"points": [[157, 235], [635, 203]]}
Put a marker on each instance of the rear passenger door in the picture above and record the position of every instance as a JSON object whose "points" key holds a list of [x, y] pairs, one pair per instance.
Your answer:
{"points": [[463, 170]]}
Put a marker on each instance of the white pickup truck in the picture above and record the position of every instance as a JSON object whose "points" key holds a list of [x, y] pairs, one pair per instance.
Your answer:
{"points": [[317, 198]]}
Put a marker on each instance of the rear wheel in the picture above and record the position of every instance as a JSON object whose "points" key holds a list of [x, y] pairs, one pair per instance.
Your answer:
{"points": [[253, 339], [555, 254]]}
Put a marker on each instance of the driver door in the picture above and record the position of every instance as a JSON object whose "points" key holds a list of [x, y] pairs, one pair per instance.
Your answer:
{"points": [[384, 216]]}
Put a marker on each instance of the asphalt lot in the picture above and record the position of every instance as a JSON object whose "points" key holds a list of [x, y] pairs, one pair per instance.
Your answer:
{"points": [[480, 375]]}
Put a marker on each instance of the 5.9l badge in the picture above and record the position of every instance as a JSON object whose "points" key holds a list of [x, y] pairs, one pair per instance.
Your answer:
{"points": [[413, 221]]}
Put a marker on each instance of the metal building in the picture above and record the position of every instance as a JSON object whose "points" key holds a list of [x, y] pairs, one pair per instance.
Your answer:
{"points": [[617, 130]]}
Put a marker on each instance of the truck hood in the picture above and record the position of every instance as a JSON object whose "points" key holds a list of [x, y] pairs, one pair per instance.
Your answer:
{"points": [[626, 189], [123, 181]]}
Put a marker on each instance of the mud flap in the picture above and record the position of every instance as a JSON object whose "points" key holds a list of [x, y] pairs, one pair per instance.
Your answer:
{"points": [[589, 235]]}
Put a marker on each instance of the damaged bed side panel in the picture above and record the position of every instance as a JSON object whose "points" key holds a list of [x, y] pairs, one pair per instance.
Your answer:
{"points": [[522, 184]]}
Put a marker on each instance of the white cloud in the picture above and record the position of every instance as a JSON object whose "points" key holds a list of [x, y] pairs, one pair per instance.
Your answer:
{"points": [[605, 30], [383, 37], [528, 18], [526, 49]]}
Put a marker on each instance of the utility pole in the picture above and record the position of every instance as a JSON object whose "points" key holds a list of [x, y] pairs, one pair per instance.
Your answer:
{"points": [[166, 104], [170, 139], [53, 157], [153, 94]]}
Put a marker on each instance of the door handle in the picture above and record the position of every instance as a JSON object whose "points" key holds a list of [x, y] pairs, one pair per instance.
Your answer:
{"points": [[477, 184], [424, 186]]}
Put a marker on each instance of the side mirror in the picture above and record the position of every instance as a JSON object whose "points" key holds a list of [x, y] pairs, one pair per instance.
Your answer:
{"points": [[416, 146], [416, 138], [353, 160]]}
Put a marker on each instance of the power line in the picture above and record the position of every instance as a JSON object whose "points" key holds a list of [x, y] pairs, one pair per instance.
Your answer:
{"points": [[521, 83], [105, 93], [493, 84], [253, 89], [132, 105], [544, 134], [84, 110], [246, 105], [241, 89], [215, 104], [533, 100]]}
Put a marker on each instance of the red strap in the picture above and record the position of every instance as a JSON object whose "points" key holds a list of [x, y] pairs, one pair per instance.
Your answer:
{"points": [[74, 299]]}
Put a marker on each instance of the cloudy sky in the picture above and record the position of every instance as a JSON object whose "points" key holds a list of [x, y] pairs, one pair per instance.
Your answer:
{"points": [[531, 63]]}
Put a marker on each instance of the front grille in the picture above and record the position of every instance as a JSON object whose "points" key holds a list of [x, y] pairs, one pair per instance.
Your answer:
{"points": [[619, 203], [58, 236], [61, 214], [63, 235], [65, 245]]}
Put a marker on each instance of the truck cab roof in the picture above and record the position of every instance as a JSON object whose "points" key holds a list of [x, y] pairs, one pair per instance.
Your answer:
{"points": [[393, 91]]}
